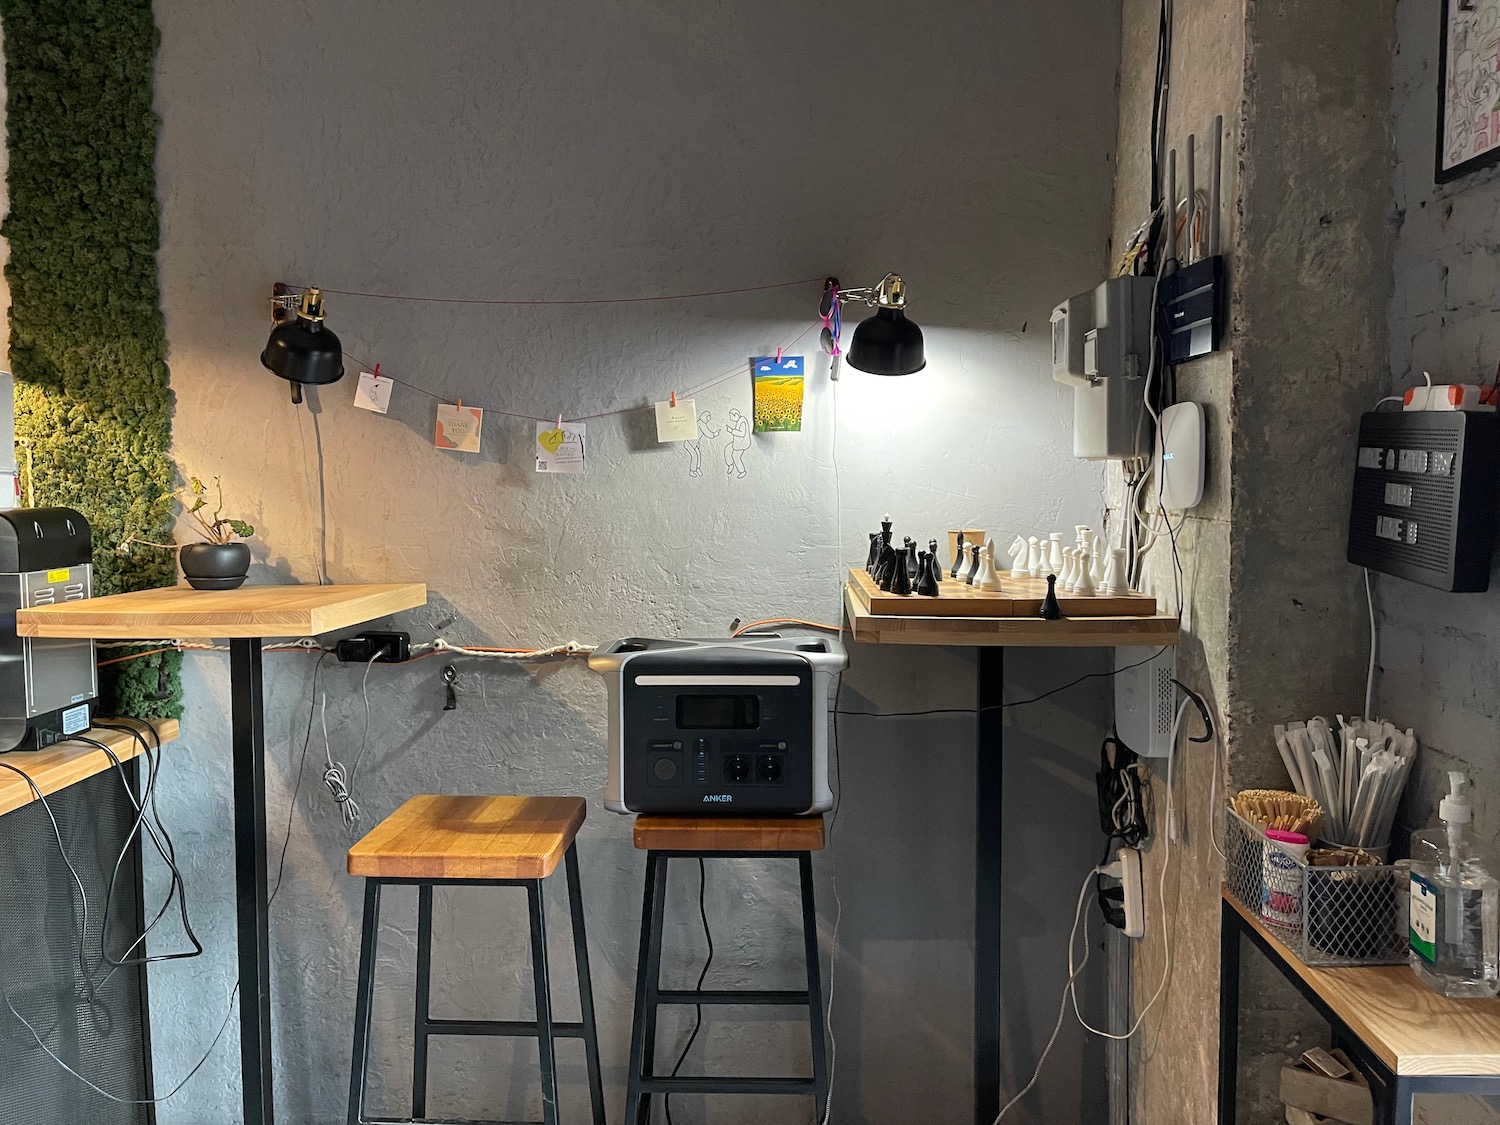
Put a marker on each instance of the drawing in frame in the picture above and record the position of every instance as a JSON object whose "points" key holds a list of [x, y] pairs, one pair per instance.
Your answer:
{"points": [[1468, 112]]}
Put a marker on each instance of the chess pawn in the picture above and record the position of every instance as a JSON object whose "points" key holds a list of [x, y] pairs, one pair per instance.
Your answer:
{"points": [[900, 580], [1051, 610], [1085, 587], [873, 556], [927, 575], [911, 560], [1054, 552], [1018, 555], [958, 557], [988, 577], [1078, 569], [1114, 573], [1034, 560], [1065, 576], [973, 564], [937, 571]]}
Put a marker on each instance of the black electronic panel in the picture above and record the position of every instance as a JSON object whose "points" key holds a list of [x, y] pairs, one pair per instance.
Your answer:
{"points": [[1424, 497]]}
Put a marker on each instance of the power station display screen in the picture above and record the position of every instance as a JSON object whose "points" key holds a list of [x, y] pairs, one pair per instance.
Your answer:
{"points": [[718, 712]]}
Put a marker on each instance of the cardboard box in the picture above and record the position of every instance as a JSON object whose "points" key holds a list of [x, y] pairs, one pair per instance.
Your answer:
{"points": [[1342, 1099]]}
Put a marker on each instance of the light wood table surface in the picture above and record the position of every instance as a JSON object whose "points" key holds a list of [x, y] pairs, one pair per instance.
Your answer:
{"points": [[66, 763], [1412, 1029], [180, 612]]}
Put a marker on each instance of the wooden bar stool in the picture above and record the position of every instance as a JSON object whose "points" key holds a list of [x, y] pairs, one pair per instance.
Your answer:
{"points": [[474, 841], [665, 838]]}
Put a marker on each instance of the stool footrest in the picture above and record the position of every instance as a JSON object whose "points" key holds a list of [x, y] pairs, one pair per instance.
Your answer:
{"points": [[746, 996], [519, 1028], [438, 1121], [710, 1084]]}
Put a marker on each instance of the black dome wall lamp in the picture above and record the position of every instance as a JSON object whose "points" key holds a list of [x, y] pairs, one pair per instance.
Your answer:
{"points": [[886, 343], [301, 350]]}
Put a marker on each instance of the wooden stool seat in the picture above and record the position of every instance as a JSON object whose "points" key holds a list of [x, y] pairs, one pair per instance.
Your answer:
{"points": [[729, 833], [443, 837]]}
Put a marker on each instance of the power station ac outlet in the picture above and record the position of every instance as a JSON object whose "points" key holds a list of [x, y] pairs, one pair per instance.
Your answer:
{"points": [[393, 648]]}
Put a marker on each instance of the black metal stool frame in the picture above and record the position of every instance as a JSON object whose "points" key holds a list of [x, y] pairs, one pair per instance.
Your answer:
{"points": [[649, 996], [544, 1029]]}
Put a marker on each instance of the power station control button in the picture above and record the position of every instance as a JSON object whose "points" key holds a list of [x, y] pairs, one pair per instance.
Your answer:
{"points": [[665, 768]]}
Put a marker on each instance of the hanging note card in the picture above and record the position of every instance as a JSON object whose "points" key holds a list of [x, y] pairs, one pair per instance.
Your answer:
{"points": [[778, 393], [373, 392], [677, 422], [559, 447], [458, 427]]}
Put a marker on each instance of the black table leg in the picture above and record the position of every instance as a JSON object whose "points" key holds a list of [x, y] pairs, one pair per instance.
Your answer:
{"points": [[988, 787], [249, 749], [1229, 1011]]}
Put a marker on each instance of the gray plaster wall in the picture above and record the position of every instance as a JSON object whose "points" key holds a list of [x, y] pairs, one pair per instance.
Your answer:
{"points": [[557, 151]]}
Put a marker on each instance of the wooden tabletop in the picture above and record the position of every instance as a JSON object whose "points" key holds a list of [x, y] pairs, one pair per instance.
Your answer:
{"points": [[182, 613], [67, 763], [1411, 1028], [1021, 632]]}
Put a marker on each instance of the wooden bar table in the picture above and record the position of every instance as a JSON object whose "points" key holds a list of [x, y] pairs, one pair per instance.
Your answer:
{"points": [[244, 617], [951, 619], [1406, 1039]]}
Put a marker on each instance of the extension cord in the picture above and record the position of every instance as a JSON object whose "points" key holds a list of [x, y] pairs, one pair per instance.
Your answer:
{"points": [[1127, 869]]}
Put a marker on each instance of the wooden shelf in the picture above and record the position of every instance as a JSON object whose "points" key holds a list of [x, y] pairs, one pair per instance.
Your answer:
{"points": [[1411, 1028], [1020, 632], [67, 763], [182, 613]]}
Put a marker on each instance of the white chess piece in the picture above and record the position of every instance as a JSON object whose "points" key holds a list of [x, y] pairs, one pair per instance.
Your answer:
{"points": [[1096, 561], [1079, 531], [1086, 541], [1066, 579], [1034, 558], [1085, 585], [1080, 568], [1018, 555], [988, 577], [1054, 552], [1114, 573]]}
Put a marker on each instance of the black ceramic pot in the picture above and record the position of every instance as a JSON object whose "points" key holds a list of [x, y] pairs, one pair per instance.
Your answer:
{"points": [[215, 566]]}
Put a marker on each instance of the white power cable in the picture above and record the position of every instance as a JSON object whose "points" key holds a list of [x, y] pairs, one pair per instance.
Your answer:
{"points": [[1370, 672]]}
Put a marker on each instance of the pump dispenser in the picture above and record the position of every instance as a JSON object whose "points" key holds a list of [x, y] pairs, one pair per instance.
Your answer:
{"points": [[1455, 903]]}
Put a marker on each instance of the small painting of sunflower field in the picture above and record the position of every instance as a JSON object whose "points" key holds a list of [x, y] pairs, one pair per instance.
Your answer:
{"points": [[778, 394]]}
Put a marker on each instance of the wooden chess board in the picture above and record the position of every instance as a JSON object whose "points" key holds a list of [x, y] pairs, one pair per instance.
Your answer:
{"points": [[1017, 597]]}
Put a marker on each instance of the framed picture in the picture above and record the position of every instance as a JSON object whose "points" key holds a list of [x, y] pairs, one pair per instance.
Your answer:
{"points": [[1468, 124]]}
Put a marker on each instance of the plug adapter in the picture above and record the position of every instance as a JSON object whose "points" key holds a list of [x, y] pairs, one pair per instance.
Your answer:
{"points": [[393, 648]]}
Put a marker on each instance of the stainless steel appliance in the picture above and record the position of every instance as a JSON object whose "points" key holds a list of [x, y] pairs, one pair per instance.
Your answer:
{"points": [[731, 726], [45, 685]]}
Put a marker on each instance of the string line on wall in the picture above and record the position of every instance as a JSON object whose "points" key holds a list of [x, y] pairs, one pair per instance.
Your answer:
{"points": [[736, 371], [566, 301]]}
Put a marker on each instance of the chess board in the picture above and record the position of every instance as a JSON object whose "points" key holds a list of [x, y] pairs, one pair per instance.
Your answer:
{"points": [[1017, 597]]}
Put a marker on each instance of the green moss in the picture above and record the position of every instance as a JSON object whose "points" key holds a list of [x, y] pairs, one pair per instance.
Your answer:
{"points": [[87, 340]]}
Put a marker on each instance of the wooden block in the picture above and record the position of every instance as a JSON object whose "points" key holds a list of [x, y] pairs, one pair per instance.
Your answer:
{"points": [[729, 833], [180, 612], [66, 763], [1018, 597], [1342, 1099], [445, 837]]}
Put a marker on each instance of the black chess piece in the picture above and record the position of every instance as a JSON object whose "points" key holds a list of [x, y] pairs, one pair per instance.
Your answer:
{"points": [[958, 557], [885, 531], [937, 570], [927, 582], [874, 553], [1050, 610], [973, 565], [900, 580], [913, 571], [885, 570]]}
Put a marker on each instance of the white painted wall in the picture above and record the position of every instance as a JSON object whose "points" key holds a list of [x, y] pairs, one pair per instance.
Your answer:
{"points": [[564, 150]]}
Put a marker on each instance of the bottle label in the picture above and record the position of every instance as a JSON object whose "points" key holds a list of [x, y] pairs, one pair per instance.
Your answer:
{"points": [[1423, 936]]}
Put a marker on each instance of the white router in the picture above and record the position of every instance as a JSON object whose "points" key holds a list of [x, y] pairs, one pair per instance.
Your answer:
{"points": [[1145, 699], [1180, 455]]}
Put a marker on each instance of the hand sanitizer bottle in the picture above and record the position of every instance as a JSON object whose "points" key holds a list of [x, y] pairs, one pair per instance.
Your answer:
{"points": [[1455, 904]]}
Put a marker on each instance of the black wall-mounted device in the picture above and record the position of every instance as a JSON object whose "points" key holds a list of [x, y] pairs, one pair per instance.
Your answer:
{"points": [[1191, 303], [1424, 501]]}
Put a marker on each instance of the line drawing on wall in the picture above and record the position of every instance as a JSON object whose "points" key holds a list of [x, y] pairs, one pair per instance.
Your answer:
{"points": [[738, 428], [1468, 130], [695, 447]]}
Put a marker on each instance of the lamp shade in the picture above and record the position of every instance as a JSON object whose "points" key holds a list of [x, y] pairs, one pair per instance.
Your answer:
{"points": [[303, 351], [887, 344]]}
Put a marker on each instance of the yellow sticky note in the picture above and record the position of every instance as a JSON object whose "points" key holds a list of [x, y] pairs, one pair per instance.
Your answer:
{"points": [[559, 448]]}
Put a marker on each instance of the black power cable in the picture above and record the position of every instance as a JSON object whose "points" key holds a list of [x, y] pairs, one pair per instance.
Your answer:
{"points": [[702, 976]]}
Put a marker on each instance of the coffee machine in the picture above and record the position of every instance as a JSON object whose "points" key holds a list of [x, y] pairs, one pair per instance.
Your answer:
{"points": [[46, 685]]}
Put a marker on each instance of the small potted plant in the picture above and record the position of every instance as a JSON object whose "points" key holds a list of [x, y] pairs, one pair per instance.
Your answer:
{"points": [[217, 562]]}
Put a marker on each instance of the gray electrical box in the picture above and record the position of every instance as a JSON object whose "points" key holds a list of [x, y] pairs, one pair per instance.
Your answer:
{"points": [[1101, 343]]}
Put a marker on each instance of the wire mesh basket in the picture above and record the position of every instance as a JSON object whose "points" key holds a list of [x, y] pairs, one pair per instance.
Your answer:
{"points": [[1348, 915]]}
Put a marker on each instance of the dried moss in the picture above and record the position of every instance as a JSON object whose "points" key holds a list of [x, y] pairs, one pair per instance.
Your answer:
{"points": [[87, 339]]}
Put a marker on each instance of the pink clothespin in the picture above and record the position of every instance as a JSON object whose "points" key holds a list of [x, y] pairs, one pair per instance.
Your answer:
{"points": [[459, 405], [778, 357], [674, 400], [376, 373], [559, 421]]}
